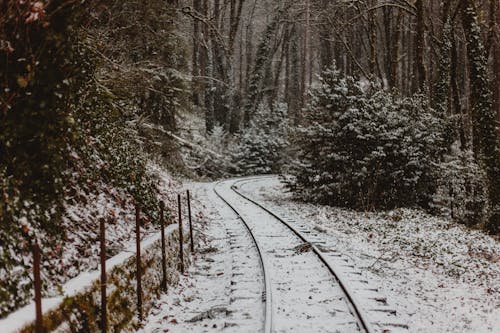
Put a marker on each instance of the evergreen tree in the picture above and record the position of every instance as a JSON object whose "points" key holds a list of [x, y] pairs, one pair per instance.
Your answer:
{"points": [[485, 140], [367, 148], [261, 146]]}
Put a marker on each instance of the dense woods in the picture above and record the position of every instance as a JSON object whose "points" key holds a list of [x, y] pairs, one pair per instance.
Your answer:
{"points": [[78, 82], [443, 56], [364, 104]]}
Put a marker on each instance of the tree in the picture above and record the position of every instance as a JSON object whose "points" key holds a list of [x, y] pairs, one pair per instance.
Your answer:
{"points": [[365, 148], [485, 143]]}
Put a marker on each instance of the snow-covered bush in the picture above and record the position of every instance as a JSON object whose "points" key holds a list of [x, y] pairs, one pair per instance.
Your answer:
{"points": [[261, 146], [461, 192], [367, 148], [208, 155]]}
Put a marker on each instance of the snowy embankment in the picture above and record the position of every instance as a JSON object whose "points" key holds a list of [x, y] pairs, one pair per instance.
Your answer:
{"points": [[222, 290], [72, 299], [440, 276], [82, 284]]}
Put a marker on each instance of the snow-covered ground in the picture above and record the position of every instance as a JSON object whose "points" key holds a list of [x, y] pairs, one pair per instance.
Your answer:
{"points": [[440, 276], [223, 289], [80, 252]]}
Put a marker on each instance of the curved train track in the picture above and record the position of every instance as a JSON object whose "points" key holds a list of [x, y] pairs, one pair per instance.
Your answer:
{"points": [[353, 305], [267, 296]]}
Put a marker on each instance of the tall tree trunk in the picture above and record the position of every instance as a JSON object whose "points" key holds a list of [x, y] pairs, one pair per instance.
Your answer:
{"points": [[395, 50], [485, 142], [206, 71], [421, 78], [495, 52], [305, 55], [294, 94], [196, 54]]}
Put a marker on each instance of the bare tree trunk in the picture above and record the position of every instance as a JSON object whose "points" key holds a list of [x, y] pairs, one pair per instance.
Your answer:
{"points": [[196, 54], [420, 45], [305, 55], [294, 87], [387, 19], [395, 50], [206, 71]]}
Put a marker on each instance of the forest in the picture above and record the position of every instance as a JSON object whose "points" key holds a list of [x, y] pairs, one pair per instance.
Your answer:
{"points": [[365, 104], [369, 105]]}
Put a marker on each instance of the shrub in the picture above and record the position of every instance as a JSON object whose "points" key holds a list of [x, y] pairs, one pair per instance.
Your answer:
{"points": [[461, 188], [367, 148], [261, 146]]}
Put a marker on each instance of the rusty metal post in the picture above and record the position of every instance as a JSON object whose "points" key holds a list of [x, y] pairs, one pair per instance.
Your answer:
{"points": [[104, 316], [38, 288], [163, 253], [190, 222], [138, 259], [181, 237]]}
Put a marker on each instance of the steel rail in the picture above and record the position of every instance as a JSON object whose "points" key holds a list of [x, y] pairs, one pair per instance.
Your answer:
{"points": [[353, 303], [268, 312]]}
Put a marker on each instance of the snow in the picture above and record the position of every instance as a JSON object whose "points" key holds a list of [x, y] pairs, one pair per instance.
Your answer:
{"points": [[439, 276], [223, 288], [305, 296], [80, 251], [26, 315]]}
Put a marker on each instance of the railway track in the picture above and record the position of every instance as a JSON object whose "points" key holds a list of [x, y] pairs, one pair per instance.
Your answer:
{"points": [[267, 295], [309, 272]]}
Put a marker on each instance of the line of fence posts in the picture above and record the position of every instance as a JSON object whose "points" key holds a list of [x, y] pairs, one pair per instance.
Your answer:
{"points": [[103, 278]]}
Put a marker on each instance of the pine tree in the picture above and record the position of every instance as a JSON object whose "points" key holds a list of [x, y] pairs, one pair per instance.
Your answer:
{"points": [[262, 145], [367, 148]]}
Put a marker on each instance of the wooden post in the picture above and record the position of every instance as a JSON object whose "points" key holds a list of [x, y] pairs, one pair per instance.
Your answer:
{"points": [[163, 253], [190, 222], [181, 250], [138, 259], [38, 288], [104, 316]]}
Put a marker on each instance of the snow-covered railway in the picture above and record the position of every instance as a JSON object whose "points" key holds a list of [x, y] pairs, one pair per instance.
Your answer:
{"points": [[267, 295], [303, 291]]}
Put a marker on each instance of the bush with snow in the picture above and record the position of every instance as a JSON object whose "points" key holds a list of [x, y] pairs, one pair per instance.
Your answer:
{"points": [[367, 148], [261, 146], [461, 188]]}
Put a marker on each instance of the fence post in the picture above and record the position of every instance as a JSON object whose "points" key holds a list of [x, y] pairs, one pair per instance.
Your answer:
{"points": [[138, 258], [190, 222], [163, 254], [104, 316], [38, 288], [181, 250]]}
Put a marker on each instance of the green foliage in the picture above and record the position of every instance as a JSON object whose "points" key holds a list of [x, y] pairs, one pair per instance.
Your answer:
{"points": [[38, 82], [82, 312], [261, 146], [460, 193], [68, 120], [39, 79], [367, 148]]}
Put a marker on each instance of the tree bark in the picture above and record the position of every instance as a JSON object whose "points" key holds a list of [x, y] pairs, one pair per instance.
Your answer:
{"points": [[420, 45], [484, 138]]}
